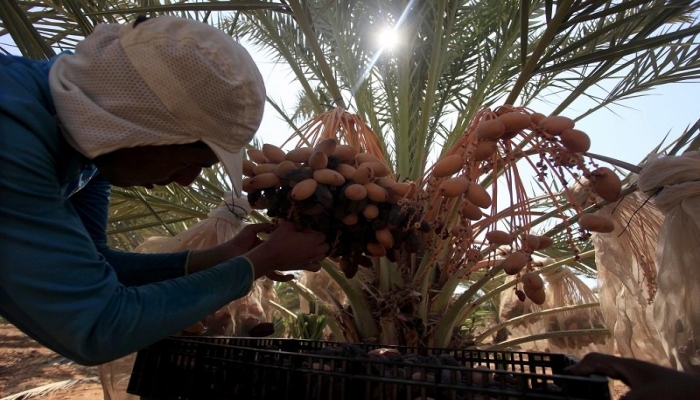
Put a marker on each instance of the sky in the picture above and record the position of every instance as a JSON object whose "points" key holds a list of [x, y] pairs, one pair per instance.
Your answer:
{"points": [[626, 132]]}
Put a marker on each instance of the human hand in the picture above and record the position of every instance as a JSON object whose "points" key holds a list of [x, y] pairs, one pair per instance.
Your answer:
{"points": [[646, 381], [216, 324], [247, 239], [288, 249], [243, 242]]}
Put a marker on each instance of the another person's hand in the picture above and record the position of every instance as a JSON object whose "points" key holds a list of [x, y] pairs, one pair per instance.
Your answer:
{"points": [[646, 381], [288, 249]]}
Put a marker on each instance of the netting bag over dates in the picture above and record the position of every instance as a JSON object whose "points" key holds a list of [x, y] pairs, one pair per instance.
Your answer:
{"points": [[566, 289], [234, 319], [627, 276], [222, 224], [674, 183], [511, 306]]}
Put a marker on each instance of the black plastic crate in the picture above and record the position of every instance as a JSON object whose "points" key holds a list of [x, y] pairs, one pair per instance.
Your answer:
{"points": [[290, 369]]}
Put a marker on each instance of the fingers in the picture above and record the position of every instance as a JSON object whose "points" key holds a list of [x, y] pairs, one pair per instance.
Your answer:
{"points": [[586, 366], [313, 241], [259, 228], [632, 372], [322, 250], [196, 328], [596, 363], [288, 249], [313, 266], [279, 277]]}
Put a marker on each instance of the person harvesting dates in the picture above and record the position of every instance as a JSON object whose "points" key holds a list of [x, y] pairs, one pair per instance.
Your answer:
{"points": [[150, 103]]}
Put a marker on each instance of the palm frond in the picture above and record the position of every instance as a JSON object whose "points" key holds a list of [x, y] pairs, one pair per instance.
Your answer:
{"points": [[44, 389], [457, 59]]}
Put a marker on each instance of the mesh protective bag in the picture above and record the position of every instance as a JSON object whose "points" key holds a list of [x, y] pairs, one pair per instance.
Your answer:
{"points": [[326, 289], [235, 318], [511, 307], [328, 294], [627, 277], [567, 289], [674, 182]]}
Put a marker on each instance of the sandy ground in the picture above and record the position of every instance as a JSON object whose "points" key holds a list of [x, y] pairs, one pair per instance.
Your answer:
{"points": [[26, 365]]}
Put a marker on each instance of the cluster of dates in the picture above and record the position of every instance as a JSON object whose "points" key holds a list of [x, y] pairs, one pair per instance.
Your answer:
{"points": [[348, 195]]}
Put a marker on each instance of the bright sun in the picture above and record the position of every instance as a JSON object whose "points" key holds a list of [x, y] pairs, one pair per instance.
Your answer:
{"points": [[389, 39]]}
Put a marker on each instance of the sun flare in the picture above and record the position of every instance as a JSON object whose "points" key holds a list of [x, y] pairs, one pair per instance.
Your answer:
{"points": [[389, 38]]}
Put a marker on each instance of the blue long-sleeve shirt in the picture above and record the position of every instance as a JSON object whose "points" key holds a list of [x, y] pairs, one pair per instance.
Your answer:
{"points": [[59, 281]]}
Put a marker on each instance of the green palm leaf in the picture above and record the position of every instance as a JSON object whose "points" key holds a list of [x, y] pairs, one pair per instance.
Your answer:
{"points": [[456, 58]]}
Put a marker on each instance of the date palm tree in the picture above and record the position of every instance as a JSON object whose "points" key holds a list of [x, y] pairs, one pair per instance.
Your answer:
{"points": [[460, 62]]}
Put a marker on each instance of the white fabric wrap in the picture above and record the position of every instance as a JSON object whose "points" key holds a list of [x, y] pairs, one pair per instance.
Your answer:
{"points": [[677, 309], [166, 81]]}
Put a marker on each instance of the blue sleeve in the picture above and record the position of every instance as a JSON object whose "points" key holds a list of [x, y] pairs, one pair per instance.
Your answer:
{"points": [[54, 284], [92, 203]]}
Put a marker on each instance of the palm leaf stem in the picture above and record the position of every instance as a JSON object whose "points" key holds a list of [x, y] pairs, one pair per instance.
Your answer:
{"points": [[462, 307], [304, 292], [465, 312], [444, 251], [605, 12], [164, 205], [258, 216], [76, 11], [524, 26], [362, 314], [161, 222], [612, 56], [248, 5], [618, 163], [127, 217], [443, 330], [284, 116], [326, 71], [161, 203], [549, 34], [424, 278], [437, 58], [155, 214], [515, 320], [388, 275], [189, 194], [283, 309], [217, 190], [685, 138], [602, 33], [23, 33], [402, 117], [333, 325], [425, 296], [595, 207], [442, 300], [284, 52], [549, 335], [495, 67]]}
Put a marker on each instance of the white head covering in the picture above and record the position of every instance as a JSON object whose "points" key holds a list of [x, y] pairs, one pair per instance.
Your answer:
{"points": [[165, 81]]}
